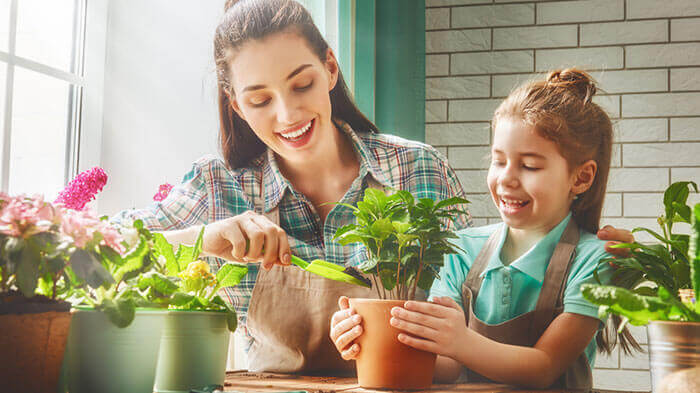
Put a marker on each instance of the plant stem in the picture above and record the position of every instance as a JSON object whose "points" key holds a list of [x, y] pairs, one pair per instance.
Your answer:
{"points": [[420, 268]]}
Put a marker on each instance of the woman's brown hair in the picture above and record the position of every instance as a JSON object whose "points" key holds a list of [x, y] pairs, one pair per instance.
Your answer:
{"points": [[247, 20], [561, 109]]}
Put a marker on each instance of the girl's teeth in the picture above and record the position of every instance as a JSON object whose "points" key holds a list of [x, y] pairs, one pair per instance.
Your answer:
{"points": [[296, 134], [513, 203]]}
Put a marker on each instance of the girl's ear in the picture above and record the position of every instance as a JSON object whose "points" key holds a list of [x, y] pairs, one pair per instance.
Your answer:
{"points": [[584, 176], [332, 69]]}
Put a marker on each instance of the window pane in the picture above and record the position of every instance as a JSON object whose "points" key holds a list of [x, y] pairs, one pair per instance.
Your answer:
{"points": [[3, 86], [39, 125], [45, 31], [4, 25]]}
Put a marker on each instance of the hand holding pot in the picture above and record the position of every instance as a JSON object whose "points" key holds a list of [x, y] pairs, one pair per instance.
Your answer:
{"points": [[345, 328], [436, 327], [247, 237]]}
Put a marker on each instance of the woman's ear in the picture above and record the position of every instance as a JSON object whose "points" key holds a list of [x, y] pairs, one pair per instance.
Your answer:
{"points": [[332, 69], [234, 105], [584, 176]]}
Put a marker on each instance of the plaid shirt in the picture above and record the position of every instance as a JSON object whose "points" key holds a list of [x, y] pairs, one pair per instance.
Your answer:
{"points": [[211, 192]]}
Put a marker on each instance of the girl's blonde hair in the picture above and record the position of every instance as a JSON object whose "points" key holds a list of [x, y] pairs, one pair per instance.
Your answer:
{"points": [[561, 109]]}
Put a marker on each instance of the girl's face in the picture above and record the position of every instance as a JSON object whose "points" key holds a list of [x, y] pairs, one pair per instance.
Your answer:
{"points": [[281, 89], [529, 180]]}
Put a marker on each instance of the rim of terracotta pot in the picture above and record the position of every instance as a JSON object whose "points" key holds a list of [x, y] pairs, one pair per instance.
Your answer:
{"points": [[371, 300], [20, 304]]}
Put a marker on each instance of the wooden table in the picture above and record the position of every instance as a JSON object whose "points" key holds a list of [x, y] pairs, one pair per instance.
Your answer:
{"points": [[243, 381]]}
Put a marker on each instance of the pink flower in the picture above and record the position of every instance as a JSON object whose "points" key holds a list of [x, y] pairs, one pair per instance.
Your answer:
{"points": [[23, 216], [81, 226], [82, 189], [163, 192]]}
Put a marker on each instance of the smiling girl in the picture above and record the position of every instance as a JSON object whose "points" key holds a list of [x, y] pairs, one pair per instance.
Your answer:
{"points": [[509, 307]]}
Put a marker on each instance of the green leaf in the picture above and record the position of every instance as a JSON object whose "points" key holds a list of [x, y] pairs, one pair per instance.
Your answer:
{"points": [[638, 309], [451, 202], [133, 260], [198, 244], [161, 283], [180, 299], [231, 316], [27, 274], [677, 192], [165, 249], [230, 275], [120, 311], [110, 256], [382, 228], [694, 252], [86, 267]]}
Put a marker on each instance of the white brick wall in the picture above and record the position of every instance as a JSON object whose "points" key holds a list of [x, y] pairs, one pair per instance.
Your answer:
{"points": [[645, 55]]}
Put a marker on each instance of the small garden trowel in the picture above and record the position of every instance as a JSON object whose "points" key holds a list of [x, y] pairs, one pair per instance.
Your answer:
{"points": [[332, 271]]}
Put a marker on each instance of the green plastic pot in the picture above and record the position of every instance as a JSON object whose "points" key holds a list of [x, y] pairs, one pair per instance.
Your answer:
{"points": [[104, 358], [193, 351]]}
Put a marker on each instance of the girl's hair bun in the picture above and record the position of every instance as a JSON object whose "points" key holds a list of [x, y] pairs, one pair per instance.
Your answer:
{"points": [[578, 82]]}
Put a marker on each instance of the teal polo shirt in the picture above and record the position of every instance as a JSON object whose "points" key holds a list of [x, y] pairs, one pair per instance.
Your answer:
{"points": [[508, 291]]}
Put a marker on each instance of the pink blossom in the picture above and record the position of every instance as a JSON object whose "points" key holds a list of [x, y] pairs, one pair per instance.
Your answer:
{"points": [[163, 192], [82, 189], [81, 226], [25, 216]]}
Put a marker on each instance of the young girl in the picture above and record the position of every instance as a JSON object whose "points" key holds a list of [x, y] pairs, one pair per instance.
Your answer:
{"points": [[509, 307]]}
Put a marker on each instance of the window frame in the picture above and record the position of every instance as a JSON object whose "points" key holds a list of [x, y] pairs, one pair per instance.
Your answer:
{"points": [[84, 125]]}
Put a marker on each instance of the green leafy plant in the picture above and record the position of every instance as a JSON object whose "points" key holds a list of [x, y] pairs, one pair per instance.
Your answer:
{"points": [[187, 282], [647, 282], [404, 239]]}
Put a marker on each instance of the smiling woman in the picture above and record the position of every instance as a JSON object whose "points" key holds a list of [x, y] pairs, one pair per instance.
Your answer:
{"points": [[296, 150]]}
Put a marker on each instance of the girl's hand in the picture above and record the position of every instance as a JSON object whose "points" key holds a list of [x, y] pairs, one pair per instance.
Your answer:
{"points": [[247, 237], [436, 327], [616, 236], [345, 328]]}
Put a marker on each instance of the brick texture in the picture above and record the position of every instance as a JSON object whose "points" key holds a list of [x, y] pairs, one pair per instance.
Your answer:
{"points": [[645, 55]]}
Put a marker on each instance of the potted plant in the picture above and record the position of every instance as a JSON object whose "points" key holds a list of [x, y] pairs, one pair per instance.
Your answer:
{"points": [[198, 324], [405, 243], [649, 283], [115, 336], [40, 260]]}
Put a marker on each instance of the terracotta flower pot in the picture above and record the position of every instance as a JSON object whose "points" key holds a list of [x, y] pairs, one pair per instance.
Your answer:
{"points": [[32, 343], [383, 361]]}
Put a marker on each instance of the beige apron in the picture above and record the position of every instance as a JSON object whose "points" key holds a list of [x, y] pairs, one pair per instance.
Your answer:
{"points": [[526, 329], [289, 317]]}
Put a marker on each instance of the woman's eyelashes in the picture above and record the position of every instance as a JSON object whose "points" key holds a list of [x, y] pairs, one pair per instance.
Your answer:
{"points": [[261, 102]]}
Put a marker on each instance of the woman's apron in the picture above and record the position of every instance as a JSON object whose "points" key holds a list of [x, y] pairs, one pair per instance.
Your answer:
{"points": [[289, 317], [526, 329]]}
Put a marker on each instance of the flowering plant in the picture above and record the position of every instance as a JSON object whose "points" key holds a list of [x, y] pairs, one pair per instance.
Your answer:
{"points": [[82, 189], [45, 249], [187, 281], [163, 191]]}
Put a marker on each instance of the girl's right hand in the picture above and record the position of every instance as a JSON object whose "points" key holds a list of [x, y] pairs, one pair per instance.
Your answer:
{"points": [[345, 328], [247, 237]]}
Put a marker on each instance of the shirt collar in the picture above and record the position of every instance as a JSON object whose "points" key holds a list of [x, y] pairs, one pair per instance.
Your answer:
{"points": [[530, 263], [275, 184]]}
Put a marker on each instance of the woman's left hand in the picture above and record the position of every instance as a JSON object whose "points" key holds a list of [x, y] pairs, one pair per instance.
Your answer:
{"points": [[436, 327], [615, 236]]}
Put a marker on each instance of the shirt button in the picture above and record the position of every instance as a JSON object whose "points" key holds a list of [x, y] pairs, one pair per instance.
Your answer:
{"points": [[506, 279], [506, 299]]}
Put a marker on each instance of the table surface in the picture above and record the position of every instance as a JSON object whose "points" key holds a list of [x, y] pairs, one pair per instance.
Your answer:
{"points": [[243, 381]]}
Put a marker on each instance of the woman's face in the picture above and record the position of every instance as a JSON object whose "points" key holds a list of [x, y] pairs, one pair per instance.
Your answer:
{"points": [[281, 89]]}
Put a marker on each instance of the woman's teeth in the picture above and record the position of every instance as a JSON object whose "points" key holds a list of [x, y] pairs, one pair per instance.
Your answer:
{"points": [[513, 203], [298, 133]]}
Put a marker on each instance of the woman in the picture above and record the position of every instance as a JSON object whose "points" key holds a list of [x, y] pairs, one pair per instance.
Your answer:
{"points": [[294, 144]]}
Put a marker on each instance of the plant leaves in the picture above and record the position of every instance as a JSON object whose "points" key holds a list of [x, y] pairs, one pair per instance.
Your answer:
{"points": [[27, 274], [230, 274], [159, 282], [87, 268], [165, 249], [133, 261], [120, 311]]}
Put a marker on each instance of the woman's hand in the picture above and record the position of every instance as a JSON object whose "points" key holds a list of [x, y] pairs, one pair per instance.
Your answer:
{"points": [[247, 237], [615, 236], [345, 328], [437, 327]]}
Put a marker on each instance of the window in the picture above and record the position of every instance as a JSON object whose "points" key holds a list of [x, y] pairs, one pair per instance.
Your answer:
{"points": [[41, 90]]}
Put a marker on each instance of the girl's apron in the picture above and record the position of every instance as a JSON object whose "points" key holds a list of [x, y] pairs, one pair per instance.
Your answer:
{"points": [[289, 317], [526, 329]]}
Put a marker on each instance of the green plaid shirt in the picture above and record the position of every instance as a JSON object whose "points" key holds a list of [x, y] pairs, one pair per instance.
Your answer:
{"points": [[211, 192]]}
